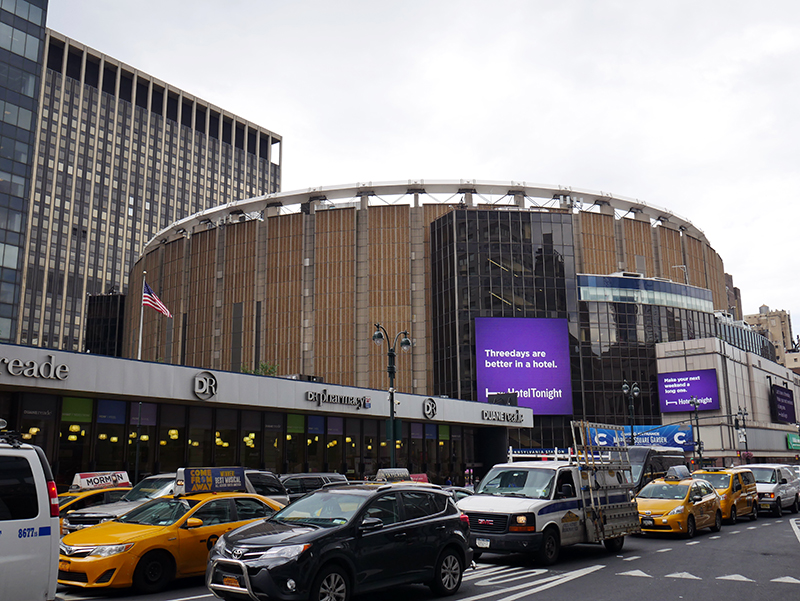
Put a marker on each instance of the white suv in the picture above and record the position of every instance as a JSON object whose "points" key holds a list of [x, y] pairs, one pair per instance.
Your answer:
{"points": [[28, 521], [778, 487]]}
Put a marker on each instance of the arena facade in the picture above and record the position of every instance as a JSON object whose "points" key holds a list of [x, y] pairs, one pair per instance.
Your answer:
{"points": [[300, 279]]}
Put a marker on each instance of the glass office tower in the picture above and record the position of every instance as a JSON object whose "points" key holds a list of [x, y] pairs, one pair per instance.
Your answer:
{"points": [[22, 33]]}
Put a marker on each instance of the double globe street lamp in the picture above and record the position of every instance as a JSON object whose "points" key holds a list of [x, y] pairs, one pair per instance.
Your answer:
{"points": [[632, 392], [405, 345]]}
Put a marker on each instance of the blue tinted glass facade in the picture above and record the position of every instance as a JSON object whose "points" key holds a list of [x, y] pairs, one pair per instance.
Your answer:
{"points": [[22, 32]]}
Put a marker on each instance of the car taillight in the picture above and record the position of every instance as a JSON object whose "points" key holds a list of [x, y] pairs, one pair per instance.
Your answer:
{"points": [[53, 494], [464, 519]]}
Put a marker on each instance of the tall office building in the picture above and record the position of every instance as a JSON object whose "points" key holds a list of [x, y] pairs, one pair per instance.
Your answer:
{"points": [[120, 156], [22, 35]]}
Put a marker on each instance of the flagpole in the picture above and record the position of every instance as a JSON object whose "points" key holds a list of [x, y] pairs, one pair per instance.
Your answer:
{"points": [[141, 315]]}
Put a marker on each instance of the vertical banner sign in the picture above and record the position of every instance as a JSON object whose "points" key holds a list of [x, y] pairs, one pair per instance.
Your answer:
{"points": [[677, 389], [526, 356], [782, 405]]}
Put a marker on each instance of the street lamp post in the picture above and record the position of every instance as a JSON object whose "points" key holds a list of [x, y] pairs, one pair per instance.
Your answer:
{"points": [[632, 392], [742, 415], [698, 443], [405, 344]]}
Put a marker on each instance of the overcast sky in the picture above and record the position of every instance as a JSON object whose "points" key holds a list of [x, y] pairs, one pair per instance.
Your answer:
{"points": [[688, 105]]}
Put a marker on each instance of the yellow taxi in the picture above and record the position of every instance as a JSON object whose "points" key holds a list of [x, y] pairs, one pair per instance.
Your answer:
{"points": [[737, 490], [165, 538], [90, 489], [679, 504]]}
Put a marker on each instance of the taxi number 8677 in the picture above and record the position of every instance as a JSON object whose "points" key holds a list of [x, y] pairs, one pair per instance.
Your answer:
{"points": [[27, 533]]}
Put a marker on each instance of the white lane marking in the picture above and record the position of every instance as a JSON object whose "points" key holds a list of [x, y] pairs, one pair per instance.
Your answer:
{"points": [[485, 571], [694, 542], [796, 528], [714, 537], [506, 577], [787, 580], [664, 550], [685, 575], [735, 532], [752, 527], [539, 585], [209, 596], [637, 573], [736, 577], [632, 558]]}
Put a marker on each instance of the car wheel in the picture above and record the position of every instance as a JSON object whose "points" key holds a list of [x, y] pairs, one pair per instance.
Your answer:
{"points": [[717, 522], [447, 573], [331, 584], [793, 508], [691, 529], [778, 511], [733, 514], [153, 572], [551, 545], [754, 512], [614, 545]]}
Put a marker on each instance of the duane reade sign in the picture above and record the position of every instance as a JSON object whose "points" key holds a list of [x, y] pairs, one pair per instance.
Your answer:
{"points": [[47, 369]]}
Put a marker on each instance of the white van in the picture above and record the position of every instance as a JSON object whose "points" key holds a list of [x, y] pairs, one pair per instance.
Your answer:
{"points": [[29, 529]]}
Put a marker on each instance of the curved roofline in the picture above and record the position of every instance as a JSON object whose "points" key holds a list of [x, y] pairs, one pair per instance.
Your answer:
{"points": [[565, 197]]}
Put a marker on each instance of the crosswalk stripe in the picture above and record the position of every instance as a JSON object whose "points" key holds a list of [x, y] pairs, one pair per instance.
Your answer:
{"points": [[538, 585]]}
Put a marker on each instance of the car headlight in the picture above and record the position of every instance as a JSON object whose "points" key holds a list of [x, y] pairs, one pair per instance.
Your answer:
{"points": [[677, 510], [219, 546], [106, 550], [287, 552]]}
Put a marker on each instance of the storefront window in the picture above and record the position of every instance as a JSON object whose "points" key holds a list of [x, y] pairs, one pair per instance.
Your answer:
{"points": [[146, 433], [352, 446], [335, 444], [75, 436], [401, 446], [457, 454], [200, 439], [226, 437], [172, 438], [38, 426], [316, 442], [295, 444], [431, 457], [416, 453], [370, 447], [109, 448], [250, 438], [445, 454], [274, 442]]}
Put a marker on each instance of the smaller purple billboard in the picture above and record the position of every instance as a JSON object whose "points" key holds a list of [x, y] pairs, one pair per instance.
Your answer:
{"points": [[677, 389], [782, 405], [528, 356]]}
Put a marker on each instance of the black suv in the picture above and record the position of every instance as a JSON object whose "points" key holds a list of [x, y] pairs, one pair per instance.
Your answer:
{"points": [[345, 540], [298, 485]]}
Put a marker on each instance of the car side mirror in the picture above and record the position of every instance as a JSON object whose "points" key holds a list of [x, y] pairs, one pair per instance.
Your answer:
{"points": [[784, 481], [697, 498], [566, 491], [193, 523], [370, 525]]}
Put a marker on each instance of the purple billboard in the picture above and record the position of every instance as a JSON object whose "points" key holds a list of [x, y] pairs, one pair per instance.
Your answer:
{"points": [[677, 389], [528, 356], [782, 405]]}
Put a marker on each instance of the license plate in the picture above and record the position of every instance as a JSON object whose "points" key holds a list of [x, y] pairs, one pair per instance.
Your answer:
{"points": [[231, 581], [646, 522], [483, 543], [764, 505], [63, 566]]}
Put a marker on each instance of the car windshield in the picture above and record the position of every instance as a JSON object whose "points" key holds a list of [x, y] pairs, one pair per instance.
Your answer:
{"points": [[147, 489], [764, 475], [324, 508], [659, 490], [517, 482], [158, 512], [718, 481]]}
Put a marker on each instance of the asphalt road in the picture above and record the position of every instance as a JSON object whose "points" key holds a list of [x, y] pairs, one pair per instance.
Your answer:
{"points": [[756, 559]]}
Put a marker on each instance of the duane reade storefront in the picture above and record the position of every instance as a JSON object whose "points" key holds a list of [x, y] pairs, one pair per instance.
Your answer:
{"points": [[100, 413]]}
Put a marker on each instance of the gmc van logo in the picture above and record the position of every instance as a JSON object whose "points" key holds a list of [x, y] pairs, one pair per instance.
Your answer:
{"points": [[485, 522]]}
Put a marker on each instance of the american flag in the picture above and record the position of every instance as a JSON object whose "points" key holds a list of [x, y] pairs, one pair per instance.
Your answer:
{"points": [[150, 299]]}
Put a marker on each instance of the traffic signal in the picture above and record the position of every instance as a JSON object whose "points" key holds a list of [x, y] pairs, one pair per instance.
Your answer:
{"points": [[736, 422]]}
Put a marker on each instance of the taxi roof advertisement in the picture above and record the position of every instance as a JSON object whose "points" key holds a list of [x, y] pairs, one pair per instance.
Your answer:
{"points": [[677, 389], [526, 355], [213, 479]]}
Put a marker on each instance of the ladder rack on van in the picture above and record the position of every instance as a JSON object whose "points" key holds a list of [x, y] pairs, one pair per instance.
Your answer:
{"points": [[606, 483]]}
